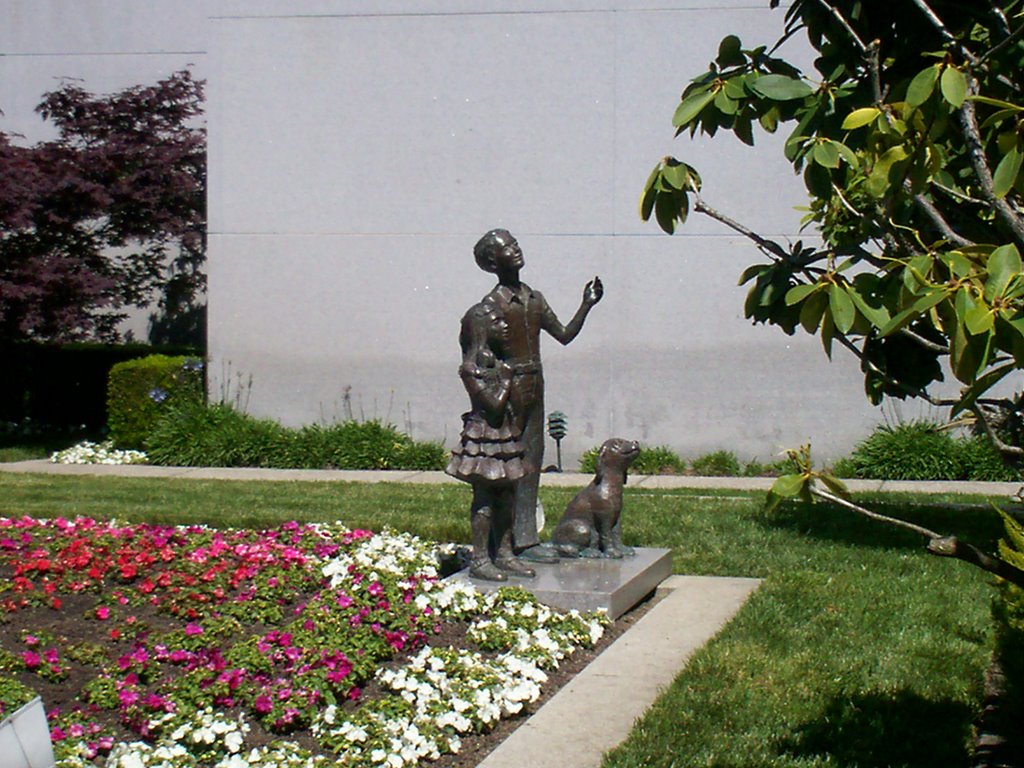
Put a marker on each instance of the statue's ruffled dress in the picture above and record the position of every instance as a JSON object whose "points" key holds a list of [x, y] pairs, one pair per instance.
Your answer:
{"points": [[485, 452]]}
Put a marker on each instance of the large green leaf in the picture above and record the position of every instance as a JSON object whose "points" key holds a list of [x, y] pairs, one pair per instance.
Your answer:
{"points": [[812, 311], [650, 193], [691, 107], [844, 313], [826, 154], [798, 293], [878, 180], [1003, 265], [860, 117], [676, 174], [953, 85], [984, 383], [781, 87], [1007, 171], [922, 85], [730, 52], [788, 486]]}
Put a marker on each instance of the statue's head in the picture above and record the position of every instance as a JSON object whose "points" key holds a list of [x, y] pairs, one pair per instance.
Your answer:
{"points": [[483, 325], [497, 248]]}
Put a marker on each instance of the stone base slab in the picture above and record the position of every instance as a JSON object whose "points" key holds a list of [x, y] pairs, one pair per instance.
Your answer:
{"points": [[590, 584]]}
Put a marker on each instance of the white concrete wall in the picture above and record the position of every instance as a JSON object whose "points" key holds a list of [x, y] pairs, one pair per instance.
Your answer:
{"points": [[358, 150], [357, 156]]}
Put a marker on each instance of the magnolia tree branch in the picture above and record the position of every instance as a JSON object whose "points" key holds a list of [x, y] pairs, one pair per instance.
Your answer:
{"points": [[936, 217], [833, 11], [976, 152], [942, 546], [765, 244], [942, 349], [993, 436]]}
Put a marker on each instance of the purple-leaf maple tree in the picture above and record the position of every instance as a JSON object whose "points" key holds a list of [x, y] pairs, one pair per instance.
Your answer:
{"points": [[110, 214]]}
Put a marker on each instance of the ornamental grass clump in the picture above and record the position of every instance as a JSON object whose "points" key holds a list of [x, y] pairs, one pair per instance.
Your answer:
{"points": [[186, 646]]}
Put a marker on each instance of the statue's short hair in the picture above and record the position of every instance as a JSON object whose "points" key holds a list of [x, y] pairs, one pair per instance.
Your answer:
{"points": [[485, 247], [475, 325]]}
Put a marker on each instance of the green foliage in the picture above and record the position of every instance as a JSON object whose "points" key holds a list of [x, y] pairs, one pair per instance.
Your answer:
{"points": [[908, 136], [717, 464], [13, 695], [916, 450], [140, 391], [660, 460], [192, 434], [920, 450], [982, 461], [1008, 610]]}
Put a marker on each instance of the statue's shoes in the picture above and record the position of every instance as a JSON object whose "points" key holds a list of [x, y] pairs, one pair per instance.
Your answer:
{"points": [[540, 553], [514, 565], [487, 571]]}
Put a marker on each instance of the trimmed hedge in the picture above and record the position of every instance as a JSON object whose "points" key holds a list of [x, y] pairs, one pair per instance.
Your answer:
{"points": [[140, 392], [216, 435]]}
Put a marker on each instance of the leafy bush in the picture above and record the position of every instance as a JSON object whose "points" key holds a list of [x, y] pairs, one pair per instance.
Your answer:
{"points": [[920, 450], [660, 460], [982, 461], [140, 391], [916, 450], [717, 464], [192, 434]]}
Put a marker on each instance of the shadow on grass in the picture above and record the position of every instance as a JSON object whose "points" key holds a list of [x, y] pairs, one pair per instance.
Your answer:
{"points": [[900, 729], [979, 525]]}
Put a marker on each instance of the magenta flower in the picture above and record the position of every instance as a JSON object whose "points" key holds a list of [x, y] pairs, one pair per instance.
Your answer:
{"points": [[31, 659]]}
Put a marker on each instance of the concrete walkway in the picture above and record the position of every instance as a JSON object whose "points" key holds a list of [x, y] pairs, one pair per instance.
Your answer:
{"points": [[551, 479], [598, 708]]}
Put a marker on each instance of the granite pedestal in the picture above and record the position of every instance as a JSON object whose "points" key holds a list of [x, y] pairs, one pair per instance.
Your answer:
{"points": [[590, 584]]}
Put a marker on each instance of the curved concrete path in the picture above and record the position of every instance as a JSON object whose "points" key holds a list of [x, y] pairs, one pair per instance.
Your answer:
{"points": [[553, 479]]}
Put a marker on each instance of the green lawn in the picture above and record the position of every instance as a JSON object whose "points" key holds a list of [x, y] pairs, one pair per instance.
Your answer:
{"points": [[858, 650]]}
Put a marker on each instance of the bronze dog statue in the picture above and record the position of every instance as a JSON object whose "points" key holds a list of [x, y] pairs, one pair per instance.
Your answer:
{"points": [[591, 526]]}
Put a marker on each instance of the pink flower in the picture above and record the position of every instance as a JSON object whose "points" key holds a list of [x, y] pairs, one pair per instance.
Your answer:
{"points": [[263, 704], [193, 629], [31, 659], [102, 613]]}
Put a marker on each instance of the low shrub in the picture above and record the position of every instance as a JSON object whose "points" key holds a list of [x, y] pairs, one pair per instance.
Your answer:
{"points": [[216, 435], [717, 464], [140, 391], [920, 450], [916, 450], [660, 460], [982, 461]]}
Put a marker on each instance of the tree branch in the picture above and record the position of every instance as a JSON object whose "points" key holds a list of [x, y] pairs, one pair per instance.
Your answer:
{"points": [[875, 515], [976, 153], [933, 213], [942, 349], [769, 246], [993, 436], [942, 546], [1008, 41], [845, 25]]}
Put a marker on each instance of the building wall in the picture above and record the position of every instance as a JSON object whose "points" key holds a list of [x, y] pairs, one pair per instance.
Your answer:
{"points": [[357, 152], [356, 158]]}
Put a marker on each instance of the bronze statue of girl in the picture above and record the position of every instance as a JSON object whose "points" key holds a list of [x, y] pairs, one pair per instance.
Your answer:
{"points": [[490, 454]]}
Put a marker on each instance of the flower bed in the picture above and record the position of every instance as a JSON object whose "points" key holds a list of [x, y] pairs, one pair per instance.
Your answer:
{"points": [[305, 645]]}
